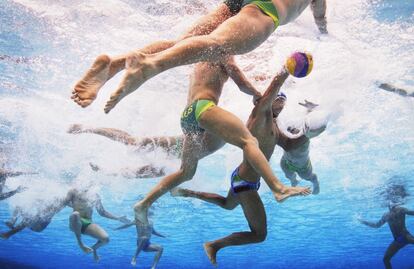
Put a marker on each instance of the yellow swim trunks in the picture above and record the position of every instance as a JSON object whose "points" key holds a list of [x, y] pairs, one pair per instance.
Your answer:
{"points": [[267, 7]]}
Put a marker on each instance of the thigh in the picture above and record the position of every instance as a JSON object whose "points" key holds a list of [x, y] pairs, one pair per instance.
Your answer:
{"points": [[224, 125], [253, 210], [307, 172], [285, 168], [211, 143], [152, 247], [232, 200], [96, 231], [392, 249], [206, 24], [244, 31]]}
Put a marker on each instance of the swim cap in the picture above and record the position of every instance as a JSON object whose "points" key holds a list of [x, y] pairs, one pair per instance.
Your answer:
{"points": [[281, 95]]}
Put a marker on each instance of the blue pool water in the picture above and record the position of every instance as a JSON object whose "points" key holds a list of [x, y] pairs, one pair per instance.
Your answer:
{"points": [[45, 46]]}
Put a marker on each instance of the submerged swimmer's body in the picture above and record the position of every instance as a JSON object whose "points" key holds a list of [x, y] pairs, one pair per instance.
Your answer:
{"points": [[396, 221], [144, 234], [295, 158], [235, 27], [80, 221]]}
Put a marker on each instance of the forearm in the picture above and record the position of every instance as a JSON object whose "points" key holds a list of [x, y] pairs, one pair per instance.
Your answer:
{"points": [[319, 14], [7, 194], [239, 78], [370, 224], [273, 89]]}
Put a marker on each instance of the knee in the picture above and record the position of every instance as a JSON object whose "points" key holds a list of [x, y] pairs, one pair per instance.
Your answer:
{"points": [[74, 216], [229, 206], [105, 239], [187, 173], [261, 235]]}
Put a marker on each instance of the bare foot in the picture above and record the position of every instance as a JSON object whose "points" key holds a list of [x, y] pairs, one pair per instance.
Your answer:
{"points": [[141, 214], [136, 74], [5, 236], [86, 249], [177, 192], [96, 256], [134, 262], [86, 89], [291, 191], [316, 188], [9, 224], [75, 129], [211, 253]]}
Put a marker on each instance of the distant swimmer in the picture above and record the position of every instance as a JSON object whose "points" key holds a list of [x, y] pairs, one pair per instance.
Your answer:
{"points": [[146, 171], [172, 145], [396, 221], [37, 222], [392, 88], [235, 27], [83, 201], [144, 233], [295, 159], [207, 127], [245, 181], [4, 174]]}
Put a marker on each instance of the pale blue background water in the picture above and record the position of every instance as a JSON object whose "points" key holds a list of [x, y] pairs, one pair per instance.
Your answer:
{"points": [[45, 48]]}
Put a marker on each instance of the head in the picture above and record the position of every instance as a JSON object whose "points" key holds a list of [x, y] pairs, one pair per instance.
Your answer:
{"points": [[278, 104], [395, 194]]}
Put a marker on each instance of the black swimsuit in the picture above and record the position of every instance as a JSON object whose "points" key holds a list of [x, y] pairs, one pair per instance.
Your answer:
{"points": [[234, 5]]}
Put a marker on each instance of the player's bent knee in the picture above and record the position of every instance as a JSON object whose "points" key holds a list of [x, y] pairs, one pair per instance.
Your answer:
{"points": [[105, 239]]}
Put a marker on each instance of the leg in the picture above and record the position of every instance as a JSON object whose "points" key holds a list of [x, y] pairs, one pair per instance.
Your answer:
{"points": [[12, 221], [140, 245], [256, 216], [393, 248], [105, 67], [75, 225], [193, 151], [237, 35], [230, 202], [310, 176], [232, 130], [15, 230], [288, 173], [155, 248], [315, 182], [97, 232]]}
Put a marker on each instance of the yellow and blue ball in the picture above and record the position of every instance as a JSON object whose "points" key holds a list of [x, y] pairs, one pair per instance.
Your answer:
{"points": [[299, 64]]}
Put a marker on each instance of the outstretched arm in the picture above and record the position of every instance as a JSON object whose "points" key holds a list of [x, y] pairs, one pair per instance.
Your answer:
{"points": [[377, 224], [111, 133], [102, 211], [392, 88], [409, 212], [240, 79], [6, 173], [319, 14], [127, 225], [6, 195], [154, 232], [265, 103]]}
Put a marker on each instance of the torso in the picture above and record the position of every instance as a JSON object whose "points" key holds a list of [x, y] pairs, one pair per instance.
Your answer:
{"points": [[396, 222], [207, 82], [82, 203], [267, 134]]}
